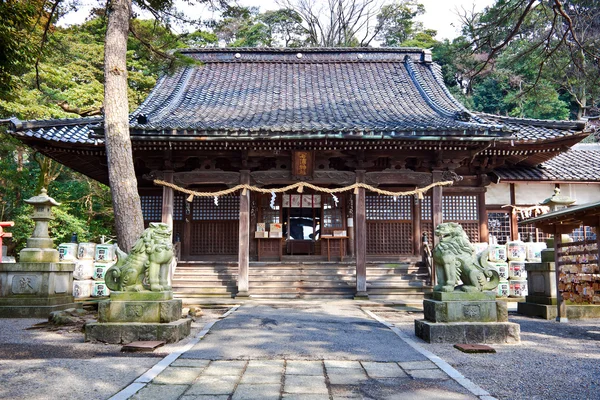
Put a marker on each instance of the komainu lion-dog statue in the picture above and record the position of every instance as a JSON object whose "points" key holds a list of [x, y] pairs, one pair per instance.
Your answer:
{"points": [[454, 258], [147, 266]]}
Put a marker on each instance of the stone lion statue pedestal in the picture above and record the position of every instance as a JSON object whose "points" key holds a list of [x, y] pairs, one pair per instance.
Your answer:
{"points": [[467, 313], [141, 305]]}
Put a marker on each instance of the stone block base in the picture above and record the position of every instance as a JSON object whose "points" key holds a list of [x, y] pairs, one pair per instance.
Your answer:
{"points": [[460, 310], [34, 311], [468, 332], [127, 332], [547, 311], [139, 311], [544, 311]]}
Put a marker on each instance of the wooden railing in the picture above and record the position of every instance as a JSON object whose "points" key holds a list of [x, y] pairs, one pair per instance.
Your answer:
{"points": [[428, 260]]}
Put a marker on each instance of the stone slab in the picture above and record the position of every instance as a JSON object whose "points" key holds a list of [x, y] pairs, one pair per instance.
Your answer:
{"points": [[383, 370], [177, 376], [474, 348], [346, 376], [545, 311], [141, 296], [468, 332], [583, 311], [436, 374], [257, 392], [408, 365], [35, 311], [460, 311], [298, 367], [305, 384], [139, 311], [160, 392], [143, 346], [127, 332], [214, 384], [464, 296], [547, 300], [37, 267]]}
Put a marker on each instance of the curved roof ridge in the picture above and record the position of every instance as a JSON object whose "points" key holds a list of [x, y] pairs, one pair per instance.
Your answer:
{"points": [[302, 50], [572, 124], [176, 93], [437, 76], [460, 114]]}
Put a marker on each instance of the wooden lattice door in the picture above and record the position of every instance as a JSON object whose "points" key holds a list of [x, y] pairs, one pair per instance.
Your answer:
{"points": [[214, 228], [389, 225], [463, 209]]}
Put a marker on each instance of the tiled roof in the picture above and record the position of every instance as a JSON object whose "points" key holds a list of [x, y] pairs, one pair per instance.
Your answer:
{"points": [[270, 92], [528, 130], [76, 130], [580, 163], [305, 93]]}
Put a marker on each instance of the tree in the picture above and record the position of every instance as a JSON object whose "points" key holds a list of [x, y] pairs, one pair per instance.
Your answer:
{"points": [[126, 202], [337, 23], [558, 35], [284, 27], [396, 24], [17, 48], [129, 221]]}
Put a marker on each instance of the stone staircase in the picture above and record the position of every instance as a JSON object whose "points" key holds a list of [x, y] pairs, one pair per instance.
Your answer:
{"points": [[404, 281], [201, 279], [400, 281], [302, 280]]}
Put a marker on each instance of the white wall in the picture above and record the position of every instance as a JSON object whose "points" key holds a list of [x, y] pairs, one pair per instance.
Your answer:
{"points": [[582, 193], [532, 193], [498, 194]]}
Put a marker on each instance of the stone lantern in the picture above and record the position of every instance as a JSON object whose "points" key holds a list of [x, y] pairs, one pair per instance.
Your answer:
{"points": [[40, 246], [557, 201]]}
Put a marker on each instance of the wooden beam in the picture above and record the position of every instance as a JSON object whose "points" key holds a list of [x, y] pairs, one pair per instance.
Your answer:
{"points": [[416, 218], [167, 200], [436, 211], [514, 228], [244, 238], [561, 306], [361, 239], [483, 220]]}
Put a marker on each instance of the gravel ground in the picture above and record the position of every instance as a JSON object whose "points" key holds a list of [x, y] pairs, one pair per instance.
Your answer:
{"points": [[554, 360], [40, 364]]}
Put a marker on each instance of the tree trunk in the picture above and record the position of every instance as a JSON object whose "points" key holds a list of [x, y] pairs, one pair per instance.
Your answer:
{"points": [[123, 183]]}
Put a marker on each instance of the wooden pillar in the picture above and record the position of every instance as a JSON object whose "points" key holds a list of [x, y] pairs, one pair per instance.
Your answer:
{"points": [[361, 240], [483, 220], [561, 306], [514, 227], [436, 211], [350, 225], [244, 237], [167, 200], [416, 217]]}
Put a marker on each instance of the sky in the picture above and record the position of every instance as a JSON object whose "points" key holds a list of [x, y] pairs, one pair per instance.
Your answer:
{"points": [[441, 15]]}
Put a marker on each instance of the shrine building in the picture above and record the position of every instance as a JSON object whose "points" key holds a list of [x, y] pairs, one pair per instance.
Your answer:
{"points": [[270, 118]]}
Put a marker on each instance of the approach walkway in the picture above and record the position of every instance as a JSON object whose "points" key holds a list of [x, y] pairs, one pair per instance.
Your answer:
{"points": [[301, 350]]}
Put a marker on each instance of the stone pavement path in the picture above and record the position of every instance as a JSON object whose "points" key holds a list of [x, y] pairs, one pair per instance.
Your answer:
{"points": [[301, 350]]}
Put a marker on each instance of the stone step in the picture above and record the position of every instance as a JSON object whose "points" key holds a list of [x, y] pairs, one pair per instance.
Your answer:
{"points": [[205, 290], [303, 296], [326, 291], [204, 278]]}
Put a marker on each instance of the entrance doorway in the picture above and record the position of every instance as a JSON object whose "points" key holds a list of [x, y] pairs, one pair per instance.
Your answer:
{"points": [[302, 229]]}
